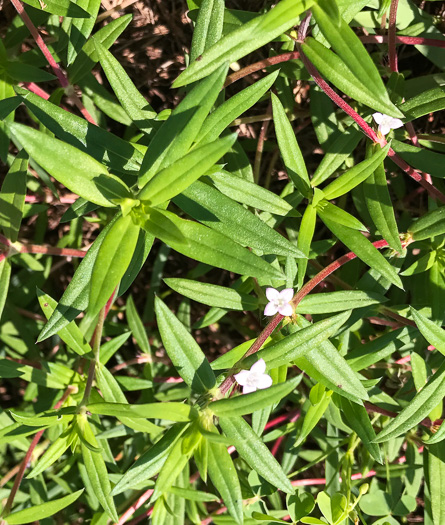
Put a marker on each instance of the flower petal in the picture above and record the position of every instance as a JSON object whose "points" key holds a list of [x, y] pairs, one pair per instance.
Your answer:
{"points": [[287, 294], [384, 129], [272, 294], [396, 123], [264, 381], [378, 117], [271, 309], [259, 367], [249, 389], [242, 376], [286, 310]]}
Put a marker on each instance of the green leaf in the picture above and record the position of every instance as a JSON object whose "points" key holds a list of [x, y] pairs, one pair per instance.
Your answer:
{"points": [[250, 447], [329, 302], [137, 326], [430, 331], [151, 461], [175, 137], [42, 511], [76, 296], [429, 225], [249, 193], [363, 248], [314, 413], [428, 101], [289, 148], [182, 349], [435, 470], [12, 197], [213, 295], [337, 72], [96, 469], [418, 408], [298, 344], [70, 334], [353, 177], [336, 153], [102, 145], [167, 411], [353, 54], [248, 403], [421, 265], [223, 474], [87, 57], [179, 175], [205, 245], [248, 37], [378, 202], [357, 418], [207, 205], [60, 7], [10, 369], [5, 276], [421, 159], [80, 29], [48, 418], [112, 261], [76, 170], [228, 111], [57, 448], [340, 216], [305, 236], [137, 108], [208, 28]]}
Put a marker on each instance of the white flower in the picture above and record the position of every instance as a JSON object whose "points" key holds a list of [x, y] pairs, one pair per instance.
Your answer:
{"points": [[254, 378], [386, 123], [279, 302]]}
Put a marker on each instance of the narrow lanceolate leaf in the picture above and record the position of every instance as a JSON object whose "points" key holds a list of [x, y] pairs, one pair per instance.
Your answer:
{"points": [[378, 202], [436, 480], [207, 205], [337, 72], [186, 356], [208, 28], [57, 448], [305, 236], [232, 108], [75, 298], [12, 197], [137, 326], [353, 177], [76, 170], [363, 248], [426, 102], [87, 57], [340, 216], [430, 331], [42, 511], [298, 344], [289, 149], [181, 174], [250, 447], [96, 468], [245, 39], [102, 145], [60, 7], [357, 418], [112, 261], [5, 276], [175, 137], [151, 461], [223, 474], [429, 225], [418, 408], [205, 245], [168, 411], [80, 29], [70, 334], [248, 403], [352, 52], [212, 294], [137, 108], [330, 302], [246, 192], [315, 413]]}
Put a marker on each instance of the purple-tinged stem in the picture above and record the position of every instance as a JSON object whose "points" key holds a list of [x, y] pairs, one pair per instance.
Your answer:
{"points": [[408, 40], [392, 36]]}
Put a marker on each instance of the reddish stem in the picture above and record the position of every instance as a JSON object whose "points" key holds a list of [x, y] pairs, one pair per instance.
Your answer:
{"points": [[140, 501], [392, 36], [34, 88], [408, 40], [50, 250]]}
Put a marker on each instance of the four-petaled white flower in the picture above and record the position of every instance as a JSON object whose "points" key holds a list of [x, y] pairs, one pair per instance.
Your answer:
{"points": [[279, 302], [386, 123], [255, 378]]}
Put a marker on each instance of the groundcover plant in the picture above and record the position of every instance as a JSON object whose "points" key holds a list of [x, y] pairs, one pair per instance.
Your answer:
{"points": [[238, 316]]}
